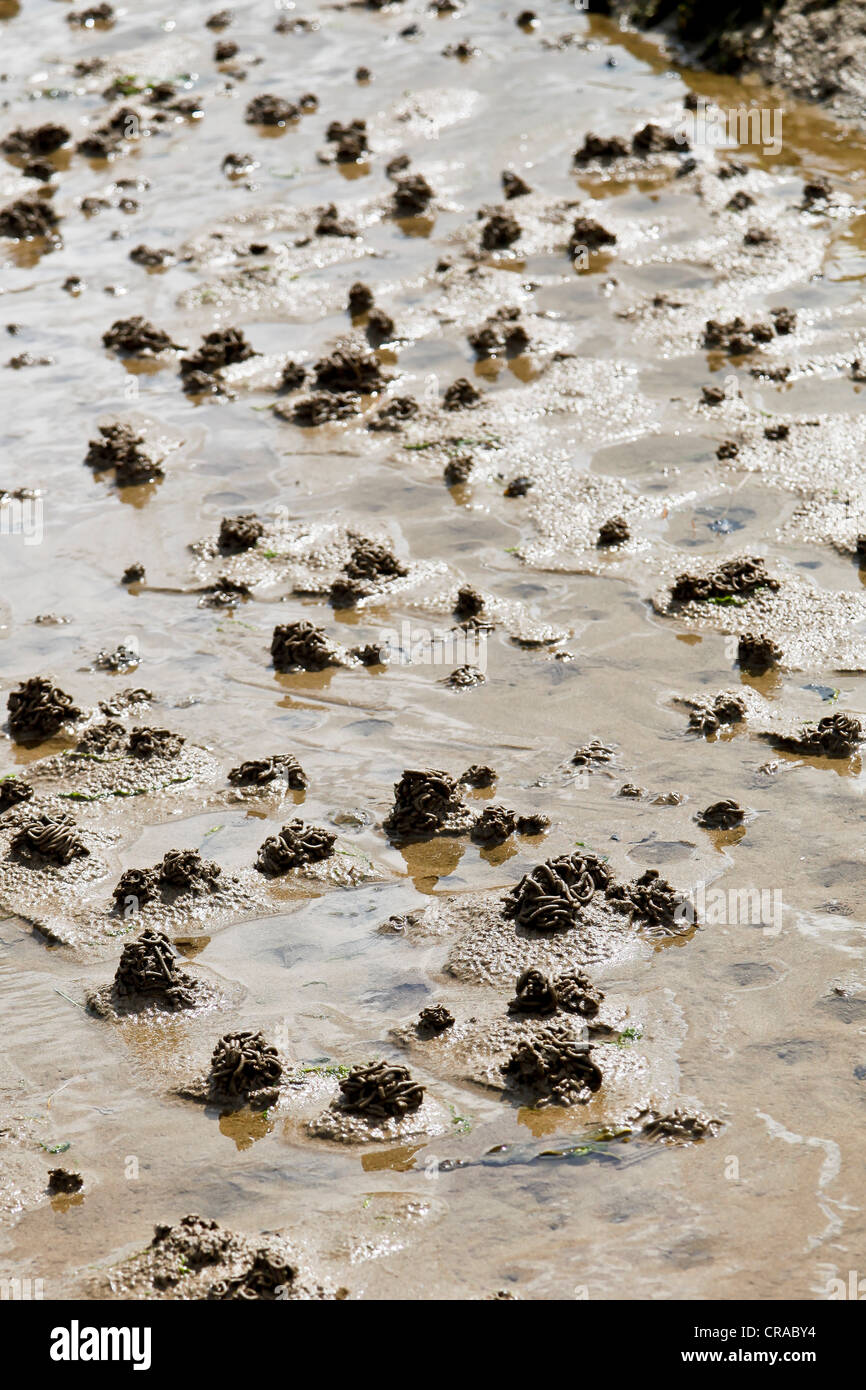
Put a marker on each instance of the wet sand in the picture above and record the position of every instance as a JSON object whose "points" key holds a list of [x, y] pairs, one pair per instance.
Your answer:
{"points": [[753, 1016]]}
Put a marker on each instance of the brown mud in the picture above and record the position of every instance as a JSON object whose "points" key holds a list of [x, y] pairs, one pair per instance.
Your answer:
{"points": [[814, 51], [474, 422], [198, 1259]]}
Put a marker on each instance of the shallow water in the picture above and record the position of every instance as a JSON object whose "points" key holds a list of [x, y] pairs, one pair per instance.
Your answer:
{"points": [[742, 1022]]}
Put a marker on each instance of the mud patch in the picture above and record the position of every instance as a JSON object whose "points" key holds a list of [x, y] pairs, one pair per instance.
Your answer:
{"points": [[617, 922], [104, 769], [425, 804], [148, 980], [378, 1102], [38, 710], [811, 628], [198, 1259], [295, 846]]}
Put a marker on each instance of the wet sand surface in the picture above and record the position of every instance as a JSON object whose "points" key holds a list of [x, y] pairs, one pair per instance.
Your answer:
{"points": [[755, 1019]]}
